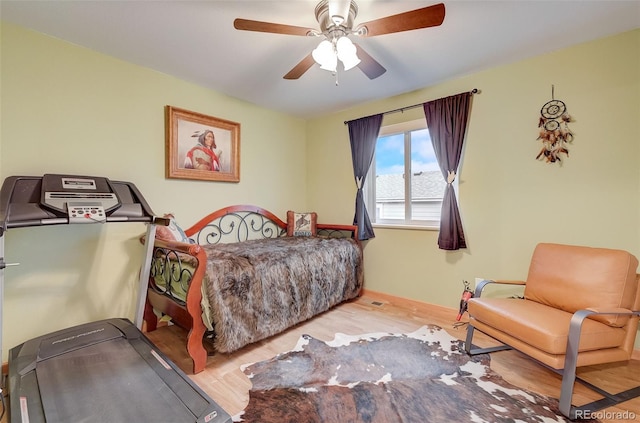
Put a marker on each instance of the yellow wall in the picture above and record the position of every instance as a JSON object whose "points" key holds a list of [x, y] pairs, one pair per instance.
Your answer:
{"points": [[509, 201], [66, 109]]}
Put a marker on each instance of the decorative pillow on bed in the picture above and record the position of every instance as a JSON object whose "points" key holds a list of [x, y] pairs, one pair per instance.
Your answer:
{"points": [[173, 232], [301, 224]]}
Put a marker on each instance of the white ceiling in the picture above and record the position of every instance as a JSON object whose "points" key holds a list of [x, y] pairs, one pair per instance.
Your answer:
{"points": [[195, 41]]}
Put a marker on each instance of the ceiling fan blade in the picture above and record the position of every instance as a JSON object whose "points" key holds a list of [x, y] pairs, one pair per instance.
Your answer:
{"points": [[368, 64], [258, 26], [299, 69], [415, 19]]}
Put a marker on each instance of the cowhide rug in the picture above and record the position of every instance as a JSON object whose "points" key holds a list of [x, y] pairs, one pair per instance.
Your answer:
{"points": [[424, 376]]}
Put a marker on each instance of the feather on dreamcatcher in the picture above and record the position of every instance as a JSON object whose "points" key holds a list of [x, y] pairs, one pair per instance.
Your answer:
{"points": [[554, 130]]}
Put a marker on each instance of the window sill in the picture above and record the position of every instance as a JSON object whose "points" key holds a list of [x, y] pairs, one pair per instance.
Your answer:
{"points": [[406, 226]]}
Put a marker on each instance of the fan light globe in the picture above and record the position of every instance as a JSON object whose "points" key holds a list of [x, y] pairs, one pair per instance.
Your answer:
{"points": [[347, 53], [331, 65], [325, 56]]}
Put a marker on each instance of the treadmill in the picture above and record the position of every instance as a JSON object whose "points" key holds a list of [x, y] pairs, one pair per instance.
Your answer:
{"points": [[104, 371]]}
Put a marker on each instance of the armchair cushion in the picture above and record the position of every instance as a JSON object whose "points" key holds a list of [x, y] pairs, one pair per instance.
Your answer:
{"points": [[540, 326], [572, 278]]}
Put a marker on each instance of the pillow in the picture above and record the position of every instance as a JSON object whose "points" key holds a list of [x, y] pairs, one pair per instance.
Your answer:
{"points": [[301, 224], [173, 232]]}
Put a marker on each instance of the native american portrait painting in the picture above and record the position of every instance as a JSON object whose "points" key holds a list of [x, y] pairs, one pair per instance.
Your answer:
{"points": [[201, 147]]}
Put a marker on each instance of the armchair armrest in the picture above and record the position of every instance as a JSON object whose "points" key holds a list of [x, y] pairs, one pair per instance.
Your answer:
{"points": [[571, 355], [575, 326], [621, 311], [486, 282], [621, 315]]}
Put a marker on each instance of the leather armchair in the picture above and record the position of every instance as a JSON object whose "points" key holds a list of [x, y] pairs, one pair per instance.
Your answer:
{"points": [[581, 307]]}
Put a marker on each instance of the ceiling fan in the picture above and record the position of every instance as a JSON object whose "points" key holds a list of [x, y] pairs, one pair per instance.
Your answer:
{"points": [[336, 20]]}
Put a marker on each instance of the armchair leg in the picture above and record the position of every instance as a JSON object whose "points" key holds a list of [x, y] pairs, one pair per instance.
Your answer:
{"points": [[609, 400], [569, 377], [468, 345]]}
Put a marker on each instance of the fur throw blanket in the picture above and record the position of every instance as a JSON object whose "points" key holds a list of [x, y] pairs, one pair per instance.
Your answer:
{"points": [[259, 288]]}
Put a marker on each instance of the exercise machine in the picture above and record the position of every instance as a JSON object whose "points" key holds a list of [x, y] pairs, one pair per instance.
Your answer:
{"points": [[103, 371]]}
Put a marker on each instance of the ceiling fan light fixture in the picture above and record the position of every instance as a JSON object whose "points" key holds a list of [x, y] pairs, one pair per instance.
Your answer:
{"points": [[325, 56], [350, 62], [330, 65], [347, 53]]}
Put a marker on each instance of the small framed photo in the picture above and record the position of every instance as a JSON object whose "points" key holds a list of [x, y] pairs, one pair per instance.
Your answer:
{"points": [[201, 147]]}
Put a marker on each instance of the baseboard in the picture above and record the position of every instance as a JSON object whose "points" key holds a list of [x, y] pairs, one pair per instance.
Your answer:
{"points": [[407, 302], [421, 305]]}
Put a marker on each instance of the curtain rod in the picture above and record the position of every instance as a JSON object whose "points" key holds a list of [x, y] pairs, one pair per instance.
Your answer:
{"points": [[402, 109]]}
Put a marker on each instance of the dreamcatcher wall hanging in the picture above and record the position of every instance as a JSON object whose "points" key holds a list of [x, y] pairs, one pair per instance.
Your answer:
{"points": [[554, 130]]}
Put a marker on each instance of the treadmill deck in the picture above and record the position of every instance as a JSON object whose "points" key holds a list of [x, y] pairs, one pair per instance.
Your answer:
{"points": [[105, 371]]}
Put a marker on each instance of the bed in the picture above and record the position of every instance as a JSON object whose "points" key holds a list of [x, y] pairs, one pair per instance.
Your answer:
{"points": [[241, 274]]}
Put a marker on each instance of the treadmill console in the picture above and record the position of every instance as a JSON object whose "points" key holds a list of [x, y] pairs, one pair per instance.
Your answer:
{"points": [[86, 212], [82, 199], [59, 199]]}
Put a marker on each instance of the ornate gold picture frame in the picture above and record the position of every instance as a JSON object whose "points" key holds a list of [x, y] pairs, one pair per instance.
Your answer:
{"points": [[201, 147]]}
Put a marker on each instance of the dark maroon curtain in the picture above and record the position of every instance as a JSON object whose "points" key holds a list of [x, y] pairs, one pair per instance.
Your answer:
{"points": [[447, 122], [363, 134]]}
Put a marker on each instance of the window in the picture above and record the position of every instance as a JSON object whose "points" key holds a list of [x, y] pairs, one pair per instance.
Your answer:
{"points": [[405, 186]]}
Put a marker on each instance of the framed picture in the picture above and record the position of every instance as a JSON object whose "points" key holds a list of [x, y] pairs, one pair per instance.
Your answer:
{"points": [[201, 147]]}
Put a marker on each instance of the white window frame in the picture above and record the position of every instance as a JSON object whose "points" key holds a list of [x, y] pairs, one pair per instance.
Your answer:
{"points": [[369, 188]]}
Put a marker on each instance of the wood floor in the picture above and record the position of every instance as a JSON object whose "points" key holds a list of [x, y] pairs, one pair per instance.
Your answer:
{"points": [[374, 312]]}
